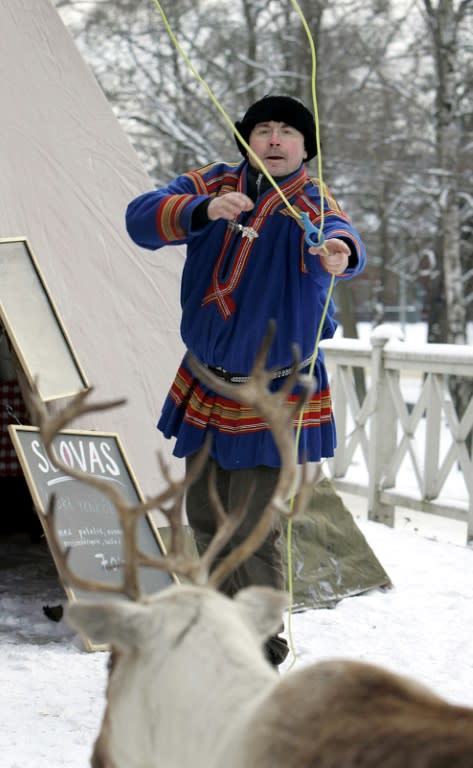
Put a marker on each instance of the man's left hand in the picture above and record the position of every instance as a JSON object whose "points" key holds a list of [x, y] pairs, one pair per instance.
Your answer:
{"points": [[334, 255]]}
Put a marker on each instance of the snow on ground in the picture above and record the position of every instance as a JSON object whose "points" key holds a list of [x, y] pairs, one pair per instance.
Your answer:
{"points": [[52, 691]]}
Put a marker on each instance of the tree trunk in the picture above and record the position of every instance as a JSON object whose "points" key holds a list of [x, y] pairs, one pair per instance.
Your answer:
{"points": [[443, 22]]}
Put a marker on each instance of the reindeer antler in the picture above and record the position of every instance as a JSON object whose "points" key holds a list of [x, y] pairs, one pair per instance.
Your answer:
{"points": [[279, 414], [274, 409]]}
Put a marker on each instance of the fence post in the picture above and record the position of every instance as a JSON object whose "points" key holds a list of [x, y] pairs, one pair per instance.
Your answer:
{"points": [[383, 429]]}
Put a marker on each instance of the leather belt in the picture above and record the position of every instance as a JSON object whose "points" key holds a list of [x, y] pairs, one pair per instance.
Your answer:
{"points": [[238, 378]]}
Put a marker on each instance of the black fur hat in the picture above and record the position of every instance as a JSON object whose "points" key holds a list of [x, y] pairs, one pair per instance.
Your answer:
{"points": [[283, 109]]}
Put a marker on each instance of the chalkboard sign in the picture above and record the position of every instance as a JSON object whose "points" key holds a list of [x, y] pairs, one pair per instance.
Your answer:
{"points": [[86, 520]]}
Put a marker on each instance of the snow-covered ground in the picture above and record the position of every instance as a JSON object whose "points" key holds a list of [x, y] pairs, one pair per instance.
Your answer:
{"points": [[52, 691]]}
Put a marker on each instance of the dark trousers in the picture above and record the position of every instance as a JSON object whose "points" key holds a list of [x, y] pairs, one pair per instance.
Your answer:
{"points": [[265, 566]]}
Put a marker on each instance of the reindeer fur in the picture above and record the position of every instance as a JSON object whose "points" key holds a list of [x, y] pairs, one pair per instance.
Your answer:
{"points": [[189, 687]]}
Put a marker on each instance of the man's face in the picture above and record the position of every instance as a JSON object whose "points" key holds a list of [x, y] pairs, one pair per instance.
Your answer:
{"points": [[279, 146]]}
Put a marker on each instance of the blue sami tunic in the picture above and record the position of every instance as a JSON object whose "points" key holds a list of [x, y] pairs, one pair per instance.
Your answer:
{"points": [[231, 288]]}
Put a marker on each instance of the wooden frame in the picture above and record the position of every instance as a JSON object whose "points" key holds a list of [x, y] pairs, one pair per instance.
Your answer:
{"points": [[33, 326], [86, 520]]}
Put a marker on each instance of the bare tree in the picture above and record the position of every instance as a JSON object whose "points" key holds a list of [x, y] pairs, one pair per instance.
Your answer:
{"points": [[396, 132], [445, 20]]}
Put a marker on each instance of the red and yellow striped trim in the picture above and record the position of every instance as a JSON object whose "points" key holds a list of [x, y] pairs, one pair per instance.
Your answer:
{"points": [[168, 217], [204, 408], [227, 181]]}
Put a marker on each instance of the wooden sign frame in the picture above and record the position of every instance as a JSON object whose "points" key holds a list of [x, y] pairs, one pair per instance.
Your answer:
{"points": [[33, 325], [86, 520]]}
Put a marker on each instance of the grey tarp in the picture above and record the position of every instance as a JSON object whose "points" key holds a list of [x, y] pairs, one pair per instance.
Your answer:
{"points": [[331, 558]]}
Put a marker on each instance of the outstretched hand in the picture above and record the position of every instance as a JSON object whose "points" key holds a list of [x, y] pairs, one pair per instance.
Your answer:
{"points": [[229, 206], [334, 255]]}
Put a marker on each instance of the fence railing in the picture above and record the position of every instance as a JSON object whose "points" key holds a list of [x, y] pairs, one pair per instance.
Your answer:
{"points": [[401, 442]]}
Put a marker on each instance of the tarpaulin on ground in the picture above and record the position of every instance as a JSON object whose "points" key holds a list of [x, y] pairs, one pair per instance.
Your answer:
{"points": [[331, 558]]}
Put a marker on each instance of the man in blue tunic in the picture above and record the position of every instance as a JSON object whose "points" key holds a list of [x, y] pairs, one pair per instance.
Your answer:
{"points": [[247, 263]]}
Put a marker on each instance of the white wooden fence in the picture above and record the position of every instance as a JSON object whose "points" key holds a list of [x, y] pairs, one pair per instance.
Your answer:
{"points": [[403, 445]]}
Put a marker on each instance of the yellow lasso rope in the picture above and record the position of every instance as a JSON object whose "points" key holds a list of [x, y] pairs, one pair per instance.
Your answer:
{"points": [[296, 215], [290, 571]]}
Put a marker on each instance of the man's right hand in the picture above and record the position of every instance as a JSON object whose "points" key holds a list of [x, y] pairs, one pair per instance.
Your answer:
{"points": [[229, 206]]}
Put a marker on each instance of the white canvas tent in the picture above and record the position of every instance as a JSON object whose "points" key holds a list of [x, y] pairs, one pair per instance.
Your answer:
{"points": [[67, 174]]}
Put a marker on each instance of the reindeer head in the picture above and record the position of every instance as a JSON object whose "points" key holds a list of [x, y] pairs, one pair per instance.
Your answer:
{"points": [[177, 656]]}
